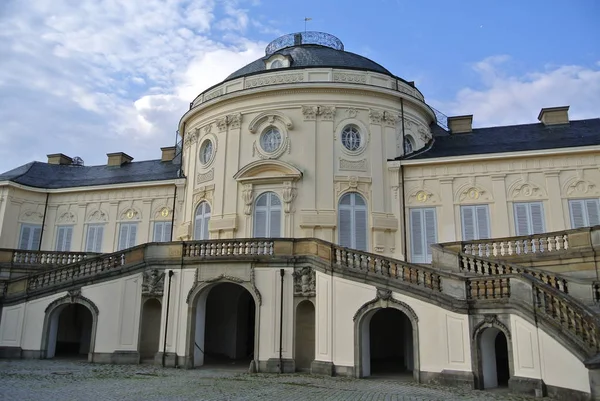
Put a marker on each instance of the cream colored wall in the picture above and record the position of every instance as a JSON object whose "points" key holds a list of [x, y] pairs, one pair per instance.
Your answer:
{"points": [[537, 355], [107, 205], [12, 325], [35, 312]]}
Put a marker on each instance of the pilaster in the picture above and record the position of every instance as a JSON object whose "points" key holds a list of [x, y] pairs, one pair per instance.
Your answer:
{"points": [[111, 228], [499, 221], [555, 203], [145, 225], [445, 214]]}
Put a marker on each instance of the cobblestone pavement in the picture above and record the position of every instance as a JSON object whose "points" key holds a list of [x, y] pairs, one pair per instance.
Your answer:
{"points": [[72, 380]]}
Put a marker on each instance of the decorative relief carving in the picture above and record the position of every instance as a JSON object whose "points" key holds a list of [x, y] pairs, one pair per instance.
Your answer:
{"points": [[97, 216], [417, 130], [162, 212], [203, 193], [191, 138], [213, 94], [205, 177], [390, 119], [130, 214], [473, 193], [32, 216], [304, 282], [350, 78], [491, 320], [270, 116], [248, 198], [526, 190], [352, 183], [66, 218], [375, 116], [273, 80], [73, 296], [353, 165], [385, 295], [327, 112], [234, 120], [581, 187], [198, 284], [222, 124], [286, 146], [207, 129], [310, 112], [153, 282], [289, 194], [352, 113]]}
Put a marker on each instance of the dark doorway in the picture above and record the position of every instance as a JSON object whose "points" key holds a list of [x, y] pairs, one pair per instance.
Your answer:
{"points": [[73, 332], [494, 358], [502, 368], [304, 352], [391, 343], [150, 334]]}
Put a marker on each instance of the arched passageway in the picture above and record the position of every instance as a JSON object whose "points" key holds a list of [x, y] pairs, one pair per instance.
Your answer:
{"points": [[70, 332], [225, 326], [494, 358], [391, 343], [304, 350], [150, 332]]}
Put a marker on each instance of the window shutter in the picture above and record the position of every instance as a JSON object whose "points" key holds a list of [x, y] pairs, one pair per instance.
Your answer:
{"points": [[522, 219], [60, 239], [537, 218], [132, 235], [260, 223], [592, 206], [468, 222], [68, 237], [89, 242], [360, 229], [123, 230], [205, 221], [416, 236], [98, 239], [345, 227], [167, 231], [430, 231], [37, 235], [158, 231], [25, 233], [577, 217], [483, 223], [275, 223]]}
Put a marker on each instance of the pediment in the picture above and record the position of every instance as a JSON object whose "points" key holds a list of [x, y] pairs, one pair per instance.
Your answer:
{"points": [[267, 171]]}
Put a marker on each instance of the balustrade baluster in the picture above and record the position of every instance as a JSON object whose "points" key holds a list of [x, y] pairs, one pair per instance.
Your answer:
{"points": [[467, 249], [511, 247], [560, 243], [565, 241]]}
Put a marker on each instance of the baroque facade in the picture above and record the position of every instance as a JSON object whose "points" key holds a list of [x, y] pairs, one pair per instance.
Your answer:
{"points": [[319, 146]]}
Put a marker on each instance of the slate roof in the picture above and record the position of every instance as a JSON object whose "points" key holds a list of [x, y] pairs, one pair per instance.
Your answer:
{"points": [[304, 56], [54, 176], [513, 138]]}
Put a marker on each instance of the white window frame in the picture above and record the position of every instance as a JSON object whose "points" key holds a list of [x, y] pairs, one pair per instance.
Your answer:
{"points": [[531, 224], [269, 209], [425, 234], [586, 205], [476, 209], [31, 240], [165, 231], [64, 238], [96, 240], [353, 208], [201, 221], [130, 231]]}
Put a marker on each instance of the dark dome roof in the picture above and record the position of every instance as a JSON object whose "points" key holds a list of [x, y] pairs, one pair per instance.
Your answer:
{"points": [[310, 55]]}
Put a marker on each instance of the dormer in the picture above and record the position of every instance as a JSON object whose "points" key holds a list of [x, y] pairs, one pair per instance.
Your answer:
{"points": [[278, 61]]}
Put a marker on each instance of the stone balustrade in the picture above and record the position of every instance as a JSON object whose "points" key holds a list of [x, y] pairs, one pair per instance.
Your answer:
{"points": [[488, 288], [42, 258], [532, 244], [228, 248]]}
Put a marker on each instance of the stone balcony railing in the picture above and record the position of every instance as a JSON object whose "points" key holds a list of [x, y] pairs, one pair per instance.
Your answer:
{"points": [[450, 287], [41, 258]]}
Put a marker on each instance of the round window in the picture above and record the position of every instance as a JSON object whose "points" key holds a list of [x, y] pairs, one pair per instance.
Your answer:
{"points": [[270, 140], [351, 138], [206, 151]]}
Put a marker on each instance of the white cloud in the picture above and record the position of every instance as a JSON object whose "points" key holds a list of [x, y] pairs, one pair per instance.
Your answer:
{"points": [[96, 76], [506, 99]]}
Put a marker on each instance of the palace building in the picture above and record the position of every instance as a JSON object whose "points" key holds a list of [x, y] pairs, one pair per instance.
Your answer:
{"points": [[318, 215]]}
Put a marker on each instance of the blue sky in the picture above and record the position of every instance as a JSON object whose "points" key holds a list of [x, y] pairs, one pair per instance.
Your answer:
{"points": [[91, 77]]}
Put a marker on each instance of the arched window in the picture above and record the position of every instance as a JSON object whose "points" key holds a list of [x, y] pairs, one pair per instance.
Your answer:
{"points": [[201, 221], [408, 145], [352, 221], [267, 216]]}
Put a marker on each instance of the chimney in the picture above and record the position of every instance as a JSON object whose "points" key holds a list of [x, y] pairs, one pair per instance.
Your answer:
{"points": [[460, 124], [168, 154], [59, 158], [118, 159], [554, 115]]}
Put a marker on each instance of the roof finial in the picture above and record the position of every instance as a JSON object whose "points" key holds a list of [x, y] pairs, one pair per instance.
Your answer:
{"points": [[306, 19]]}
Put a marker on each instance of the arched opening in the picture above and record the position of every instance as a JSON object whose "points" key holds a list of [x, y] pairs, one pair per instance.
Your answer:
{"points": [[352, 221], [201, 221], [494, 358], [70, 332], [304, 350], [150, 333], [225, 326]]}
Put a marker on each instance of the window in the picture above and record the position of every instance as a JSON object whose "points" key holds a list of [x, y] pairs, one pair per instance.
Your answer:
{"points": [[475, 222], [127, 233], [584, 212], [352, 221], [276, 64], [529, 218], [408, 145], [267, 216], [206, 151], [201, 221], [423, 233], [93, 242], [63, 238], [30, 237], [351, 138], [162, 231], [270, 140]]}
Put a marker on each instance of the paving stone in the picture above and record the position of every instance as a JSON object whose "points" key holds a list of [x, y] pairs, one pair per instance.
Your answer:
{"points": [[32, 380]]}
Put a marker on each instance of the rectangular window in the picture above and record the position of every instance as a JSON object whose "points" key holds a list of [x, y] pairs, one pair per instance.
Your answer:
{"points": [[475, 222], [127, 234], [93, 241], [584, 212], [423, 233], [63, 238], [162, 231], [30, 237], [529, 218]]}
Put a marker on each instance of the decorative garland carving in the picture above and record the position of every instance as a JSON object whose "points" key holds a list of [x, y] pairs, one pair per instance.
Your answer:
{"points": [[350, 78], [273, 80], [491, 320], [304, 282], [375, 116], [248, 198], [353, 165], [191, 138], [98, 216], [526, 190], [580, 186], [289, 194], [310, 112], [153, 282], [66, 218], [32, 216], [72, 297], [383, 294]]}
